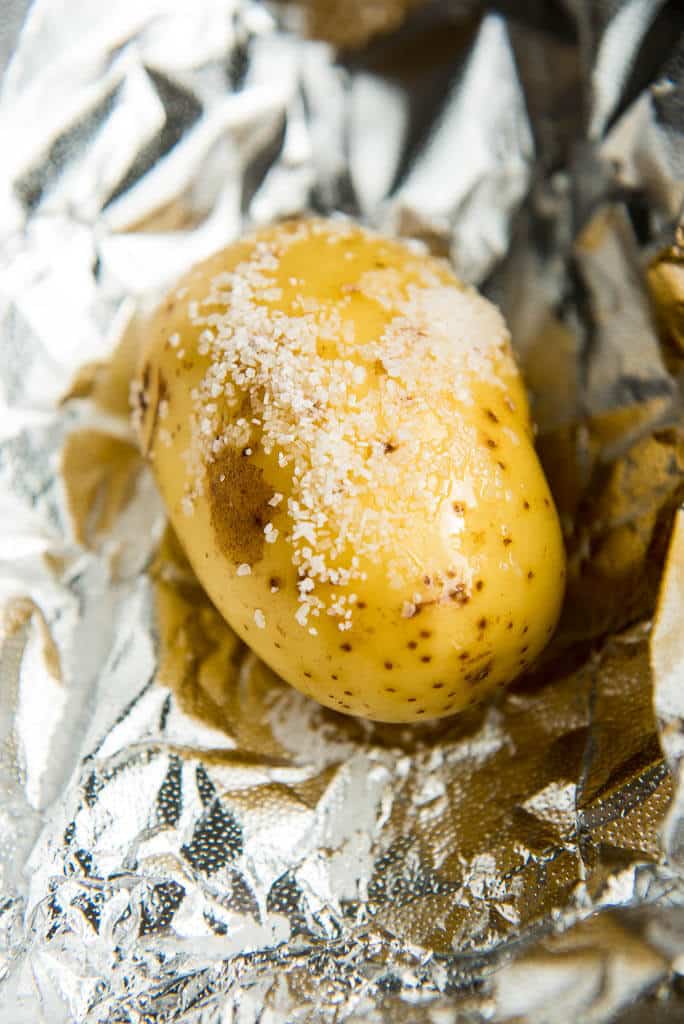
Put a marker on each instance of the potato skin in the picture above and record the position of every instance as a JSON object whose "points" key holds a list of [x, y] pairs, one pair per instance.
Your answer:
{"points": [[458, 584]]}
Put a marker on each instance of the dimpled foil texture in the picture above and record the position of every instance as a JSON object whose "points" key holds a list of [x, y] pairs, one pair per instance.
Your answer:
{"points": [[183, 838]]}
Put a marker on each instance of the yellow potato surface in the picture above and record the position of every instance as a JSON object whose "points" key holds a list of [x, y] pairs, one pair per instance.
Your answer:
{"points": [[343, 443]]}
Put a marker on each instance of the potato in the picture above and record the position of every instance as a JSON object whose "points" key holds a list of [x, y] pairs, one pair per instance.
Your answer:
{"points": [[343, 442]]}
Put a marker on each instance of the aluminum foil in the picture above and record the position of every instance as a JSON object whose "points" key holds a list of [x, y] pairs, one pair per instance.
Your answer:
{"points": [[185, 838]]}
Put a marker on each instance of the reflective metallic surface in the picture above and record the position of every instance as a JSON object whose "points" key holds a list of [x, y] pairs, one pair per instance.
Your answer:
{"points": [[182, 836]]}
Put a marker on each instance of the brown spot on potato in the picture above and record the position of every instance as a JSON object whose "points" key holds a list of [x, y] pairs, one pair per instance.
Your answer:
{"points": [[345, 647], [389, 665], [412, 645], [509, 624], [464, 655], [390, 689], [274, 583], [333, 676], [530, 575], [389, 447], [348, 693], [459, 508], [420, 711], [482, 673], [479, 585], [154, 390], [143, 400], [507, 541], [426, 657], [526, 505], [491, 443], [425, 634], [438, 686], [482, 623], [411, 700], [459, 594], [307, 675], [491, 416], [361, 605], [238, 505]]}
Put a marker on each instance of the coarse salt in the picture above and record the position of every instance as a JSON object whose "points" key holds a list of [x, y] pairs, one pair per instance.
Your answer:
{"points": [[351, 487]]}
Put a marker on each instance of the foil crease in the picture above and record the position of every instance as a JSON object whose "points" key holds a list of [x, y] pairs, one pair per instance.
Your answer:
{"points": [[183, 837]]}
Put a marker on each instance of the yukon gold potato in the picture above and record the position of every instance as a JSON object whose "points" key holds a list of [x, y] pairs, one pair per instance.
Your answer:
{"points": [[343, 443]]}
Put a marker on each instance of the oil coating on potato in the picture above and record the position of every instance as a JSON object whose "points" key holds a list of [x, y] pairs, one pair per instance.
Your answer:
{"points": [[343, 443]]}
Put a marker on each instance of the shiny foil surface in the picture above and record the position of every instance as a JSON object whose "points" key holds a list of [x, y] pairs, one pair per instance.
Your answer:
{"points": [[184, 838]]}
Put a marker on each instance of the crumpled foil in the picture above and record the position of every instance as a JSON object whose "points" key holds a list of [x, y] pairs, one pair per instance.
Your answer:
{"points": [[182, 836]]}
